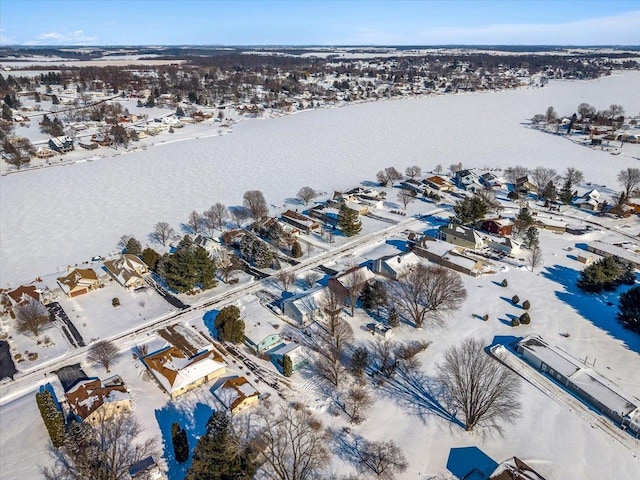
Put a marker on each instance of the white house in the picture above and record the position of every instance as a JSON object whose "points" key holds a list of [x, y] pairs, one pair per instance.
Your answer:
{"points": [[305, 307]]}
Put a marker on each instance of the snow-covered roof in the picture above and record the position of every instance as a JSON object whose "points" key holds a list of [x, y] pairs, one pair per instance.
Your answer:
{"points": [[258, 329], [126, 269], [234, 391], [579, 374], [402, 263], [307, 301], [627, 251]]}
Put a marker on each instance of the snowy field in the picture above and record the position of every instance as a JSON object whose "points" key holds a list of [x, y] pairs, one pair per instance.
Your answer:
{"points": [[63, 215]]}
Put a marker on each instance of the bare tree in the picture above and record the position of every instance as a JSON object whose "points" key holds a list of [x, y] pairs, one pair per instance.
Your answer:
{"points": [[224, 263], [306, 194], [216, 216], [254, 201], [512, 174], [285, 279], [357, 403], [428, 291], [388, 176], [413, 172], [310, 278], [488, 196], [31, 316], [550, 114], [354, 281], [534, 257], [405, 197], [438, 169], [162, 233], [124, 241], [541, 176], [585, 110], [105, 450], [194, 222], [455, 167], [239, 215], [479, 387], [629, 179], [292, 443], [103, 353], [384, 357], [383, 459], [17, 151], [573, 176]]}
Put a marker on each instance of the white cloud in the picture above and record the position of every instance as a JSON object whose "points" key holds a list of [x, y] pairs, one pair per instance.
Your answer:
{"points": [[77, 37], [621, 29]]}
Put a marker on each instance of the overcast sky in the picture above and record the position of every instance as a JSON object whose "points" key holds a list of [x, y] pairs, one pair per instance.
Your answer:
{"points": [[328, 22]]}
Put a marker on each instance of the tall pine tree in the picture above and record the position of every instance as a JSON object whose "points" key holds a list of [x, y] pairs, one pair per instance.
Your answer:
{"points": [[348, 221]]}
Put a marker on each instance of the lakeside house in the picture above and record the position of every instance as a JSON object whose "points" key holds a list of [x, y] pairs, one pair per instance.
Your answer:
{"points": [[302, 222], [186, 363], [128, 270], [78, 282]]}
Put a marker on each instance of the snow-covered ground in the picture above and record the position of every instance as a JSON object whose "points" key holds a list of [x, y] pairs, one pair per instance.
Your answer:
{"points": [[84, 208], [64, 215]]}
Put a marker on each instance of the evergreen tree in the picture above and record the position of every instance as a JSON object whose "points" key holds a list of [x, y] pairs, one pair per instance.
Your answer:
{"points": [[179, 111], [296, 250], [220, 453], [531, 238], [629, 309], [359, 361], [180, 442], [549, 192], [606, 274], [523, 220], [469, 210], [287, 366], [229, 325], [52, 417], [6, 113], [133, 247], [150, 257], [205, 268], [394, 317], [348, 221], [566, 195]]}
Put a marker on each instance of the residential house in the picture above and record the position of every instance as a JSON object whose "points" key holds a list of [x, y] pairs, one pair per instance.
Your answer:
{"points": [[463, 236], [261, 335], [128, 270], [442, 184], [61, 144], [92, 400], [43, 152], [212, 246], [396, 266], [146, 469], [467, 180], [24, 293], [353, 278], [302, 222], [591, 201], [506, 245], [414, 186], [236, 394], [627, 251], [294, 351], [305, 307], [186, 363], [498, 226], [450, 256], [489, 180], [523, 185], [551, 224], [78, 282], [583, 381]]}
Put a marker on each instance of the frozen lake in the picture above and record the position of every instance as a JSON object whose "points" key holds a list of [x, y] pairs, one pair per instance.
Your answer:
{"points": [[64, 215]]}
